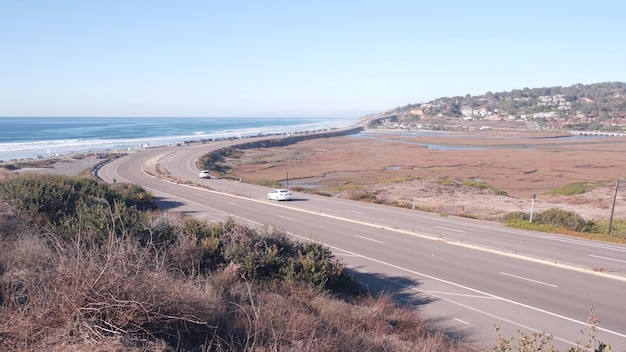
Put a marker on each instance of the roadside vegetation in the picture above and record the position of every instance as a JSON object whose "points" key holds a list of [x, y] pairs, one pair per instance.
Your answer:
{"points": [[217, 160], [472, 183], [552, 220], [578, 187], [91, 266], [568, 223]]}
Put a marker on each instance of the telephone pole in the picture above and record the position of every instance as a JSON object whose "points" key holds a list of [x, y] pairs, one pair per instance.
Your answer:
{"points": [[613, 207]]}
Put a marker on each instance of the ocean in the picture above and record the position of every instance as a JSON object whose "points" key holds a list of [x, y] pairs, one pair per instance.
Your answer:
{"points": [[43, 137]]}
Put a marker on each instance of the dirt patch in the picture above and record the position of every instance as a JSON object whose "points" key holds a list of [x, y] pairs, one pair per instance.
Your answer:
{"points": [[483, 174]]}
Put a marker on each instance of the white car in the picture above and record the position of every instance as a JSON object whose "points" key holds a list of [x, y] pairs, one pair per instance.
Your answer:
{"points": [[279, 194], [204, 174]]}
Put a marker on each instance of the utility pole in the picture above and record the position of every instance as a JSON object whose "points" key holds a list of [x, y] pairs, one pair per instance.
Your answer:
{"points": [[532, 205], [613, 208], [287, 177]]}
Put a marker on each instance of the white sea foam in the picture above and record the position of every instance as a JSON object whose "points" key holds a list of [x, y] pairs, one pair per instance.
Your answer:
{"points": [[49, 147]]}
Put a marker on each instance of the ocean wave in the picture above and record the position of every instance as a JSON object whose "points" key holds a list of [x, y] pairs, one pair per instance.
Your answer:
{"points": [[52, 147]]}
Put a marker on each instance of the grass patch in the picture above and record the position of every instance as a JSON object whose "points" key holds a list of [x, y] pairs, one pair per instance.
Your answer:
{"points": [[348, 188], [594, 229], [618, 227], [476, 184], [533, 226], [577, 188], [614, 238], [446, 182], [405, 179], [479, 184], [275, 157]]}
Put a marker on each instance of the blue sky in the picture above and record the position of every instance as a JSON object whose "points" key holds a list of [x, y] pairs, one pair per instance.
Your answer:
{"points": [[293, 58]]}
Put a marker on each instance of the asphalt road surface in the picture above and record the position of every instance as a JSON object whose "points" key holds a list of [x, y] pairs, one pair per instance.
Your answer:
{"points": [[466, 275]]}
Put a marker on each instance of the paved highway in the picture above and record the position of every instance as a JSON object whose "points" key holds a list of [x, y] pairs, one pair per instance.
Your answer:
{"points": [[467, 275]]}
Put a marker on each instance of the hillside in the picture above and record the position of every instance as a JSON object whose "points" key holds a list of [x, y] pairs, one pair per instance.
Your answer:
{"points": [[600, 106]]}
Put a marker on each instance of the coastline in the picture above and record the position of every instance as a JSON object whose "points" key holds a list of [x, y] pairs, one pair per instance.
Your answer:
{"points": [[41, 138], [73, 164], [397, 172]]}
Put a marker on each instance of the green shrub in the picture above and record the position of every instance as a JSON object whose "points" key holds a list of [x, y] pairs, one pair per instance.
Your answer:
{"points": [[313, 263], [259, 256], [566, 219], [272, 255], [534, 226], [135, 196], [516, 216], [94, 213], [618, 227], [551, 220], [70, 206], [482, 185], [476, 184], [207, 238], [500, 192], [365, 197]]}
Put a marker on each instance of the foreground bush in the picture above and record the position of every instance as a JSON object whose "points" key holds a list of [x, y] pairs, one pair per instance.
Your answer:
{"points": [[84, 268], [67, 294], [123, 297], [75, 206], [91, 213], [92, 274]]}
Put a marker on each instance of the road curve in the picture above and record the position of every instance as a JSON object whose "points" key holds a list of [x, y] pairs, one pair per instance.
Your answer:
{"points": [[467, 275]]}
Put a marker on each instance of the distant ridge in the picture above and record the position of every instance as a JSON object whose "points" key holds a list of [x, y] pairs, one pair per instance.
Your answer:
{"points": [[599, 106]]}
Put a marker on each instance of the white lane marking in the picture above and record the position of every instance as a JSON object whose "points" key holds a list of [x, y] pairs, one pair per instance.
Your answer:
{"points": [[231, 203], [545, 236], [354, 211], [369, 239], [437, 279], [461, 321], [561, 238], [286, 217], [458, 294], [527, 279], [607, 258], [449, 229], [421, 235], [519, 304]]}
